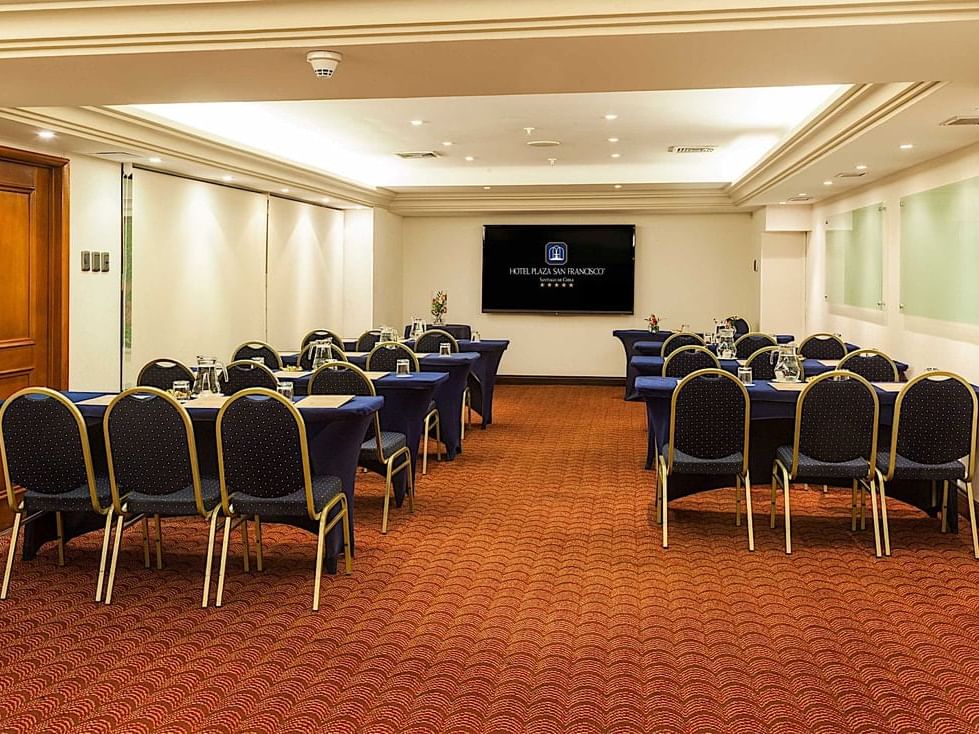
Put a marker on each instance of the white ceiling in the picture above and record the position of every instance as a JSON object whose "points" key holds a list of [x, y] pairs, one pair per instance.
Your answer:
{"points": [[358, 139]]}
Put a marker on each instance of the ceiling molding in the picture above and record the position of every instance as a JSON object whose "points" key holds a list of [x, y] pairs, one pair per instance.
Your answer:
{"points": [[109, 27], [120, 130], [859, 110], [666, 198]]}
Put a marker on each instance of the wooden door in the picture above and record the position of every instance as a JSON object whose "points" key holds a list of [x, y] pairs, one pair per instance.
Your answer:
{"points": [[33, 286]]}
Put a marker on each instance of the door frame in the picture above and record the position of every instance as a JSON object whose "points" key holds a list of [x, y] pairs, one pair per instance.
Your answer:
{"points": [[58, 258]]}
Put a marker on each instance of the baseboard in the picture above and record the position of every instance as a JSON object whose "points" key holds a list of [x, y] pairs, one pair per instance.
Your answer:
{"points": [[559, 380]]}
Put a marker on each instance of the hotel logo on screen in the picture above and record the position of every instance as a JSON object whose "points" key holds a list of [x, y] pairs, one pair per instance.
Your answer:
{"points": [[556, 253]]}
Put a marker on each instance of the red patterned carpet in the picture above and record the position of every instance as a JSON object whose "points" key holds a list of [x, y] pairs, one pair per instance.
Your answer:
{"points": [[528, 593]]}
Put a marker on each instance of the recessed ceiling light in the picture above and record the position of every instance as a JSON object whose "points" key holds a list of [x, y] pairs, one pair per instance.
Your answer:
{"points": [[446, 143], [610, 116], [907, 146], [827, 183], [487, 188], [782, 203], [227, 178], [284, 191], [613, 140], [416, 123], [616, 155], [802, 194], [470, 158], [618, 186], [45, 135], [156, 159], [861, 167], [325, 199], [551, 161]]}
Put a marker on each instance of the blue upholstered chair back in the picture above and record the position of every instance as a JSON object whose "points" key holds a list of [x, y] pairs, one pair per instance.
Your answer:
{"points": [[162, 373], [334, 353], [682, 339], [748, 344], [822, 346], [709, 416], [430, 341], [837, 419], [250, 350], [871, 364], [936, 420], [245, 374], [685, 360], [385, 355]]}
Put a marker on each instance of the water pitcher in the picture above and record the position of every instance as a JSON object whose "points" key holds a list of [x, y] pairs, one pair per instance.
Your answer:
{"points": [[209, 373], [788, 364], [725, 343], [322, 352]]}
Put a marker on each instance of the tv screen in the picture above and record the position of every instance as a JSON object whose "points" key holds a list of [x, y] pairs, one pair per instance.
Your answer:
{"points": [[571, 268]]}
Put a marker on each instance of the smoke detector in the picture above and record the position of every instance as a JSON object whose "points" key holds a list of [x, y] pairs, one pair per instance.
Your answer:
{"points": [[691, 149], [415, 155], [324, 63]]}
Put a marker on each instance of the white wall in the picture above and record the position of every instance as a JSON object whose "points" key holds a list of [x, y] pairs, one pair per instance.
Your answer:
{"points": [[94, 298], [388, 273], [920, 342], [305, 271], [358, 272], [689, 269], [198, 274]]}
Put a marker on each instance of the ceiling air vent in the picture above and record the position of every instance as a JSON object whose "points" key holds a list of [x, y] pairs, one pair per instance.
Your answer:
{"points": [[414, 155], [851, 174], [799, 199], [961, 120], [691, 149], [119, 155], [543, 143]]}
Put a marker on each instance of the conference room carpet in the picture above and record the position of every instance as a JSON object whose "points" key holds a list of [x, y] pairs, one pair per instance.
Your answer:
{"points": [[527, 593]]}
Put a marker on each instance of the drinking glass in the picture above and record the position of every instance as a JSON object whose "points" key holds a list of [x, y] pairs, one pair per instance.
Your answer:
{"points": [[401, 367], [475, 336], [181, 389], [744, 374], [445, 349], [286, 390]]}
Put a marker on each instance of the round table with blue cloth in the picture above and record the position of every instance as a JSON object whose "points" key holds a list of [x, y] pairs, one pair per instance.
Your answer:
{"points": [[334, 436], [641, 366], [773, 425], [448, 396]]}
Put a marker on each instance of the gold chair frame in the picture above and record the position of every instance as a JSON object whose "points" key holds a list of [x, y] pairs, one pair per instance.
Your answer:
{"points": [[822, 336], [691, 348], [863, 353], [257, 344], [467, 407], [671, 337], [755, 335]]}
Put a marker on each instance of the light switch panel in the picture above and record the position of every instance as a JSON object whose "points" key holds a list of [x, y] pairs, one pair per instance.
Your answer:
{"points": [[86, 261], [96, 262], [105, 262]]}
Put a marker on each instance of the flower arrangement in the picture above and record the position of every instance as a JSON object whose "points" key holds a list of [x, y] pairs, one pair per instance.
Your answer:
{"points": [[653, 322], [439, 306]]}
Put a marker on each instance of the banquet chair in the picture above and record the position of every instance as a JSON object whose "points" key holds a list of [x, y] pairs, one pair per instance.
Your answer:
{"points": [[835, 438], [264, 469], [154, 472], [760, 362], [319, 335], [680, 339], [740, 325], [384, 358], [251, 350], [44, 448], [748, 344], [871, 364], [368, 340], [822, 346], [382, 452], [933, 438], [244, 374], [162, 373], [709, 419], [429, 342], [685, 360], [334, 354]]}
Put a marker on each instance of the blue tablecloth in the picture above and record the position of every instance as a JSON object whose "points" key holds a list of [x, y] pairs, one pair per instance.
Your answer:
{"points": [[458, 331], [629, 338], [653, 347], [406, 401], [640, 366], [334, 436], [772, 425], [448, 395]]}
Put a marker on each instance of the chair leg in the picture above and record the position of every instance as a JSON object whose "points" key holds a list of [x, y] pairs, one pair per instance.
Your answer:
{"points": [[873, 514], [246, 549], [664, 502], [159, 542], [853, 507], [972, 518], [146, 542], [11, 552], [347, 550], [748, 511], [388, 491], [106, 537], [771, 522], [120, 526], [411, 484], [258, 543], [209, 562], [59, 524], [659, 497], [319, 562], [737, 501], [219, 599], [788, 512], [427, 430], [863, 508], [883, 518], [439, 448], [945, 506]]}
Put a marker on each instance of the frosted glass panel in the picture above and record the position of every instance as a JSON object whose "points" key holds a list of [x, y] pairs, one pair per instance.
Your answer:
{"points": [[940, 252], [854, 257]]}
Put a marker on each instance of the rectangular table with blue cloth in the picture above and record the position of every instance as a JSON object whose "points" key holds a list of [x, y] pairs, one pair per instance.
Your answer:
{"points": [[640, 366], [448, 395], [773, 425], [654, 347], [406, 402], [334, 436], [630, 337]]}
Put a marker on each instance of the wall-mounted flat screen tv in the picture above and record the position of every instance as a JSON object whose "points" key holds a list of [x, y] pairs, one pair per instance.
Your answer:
{"points": [[559, 268]]}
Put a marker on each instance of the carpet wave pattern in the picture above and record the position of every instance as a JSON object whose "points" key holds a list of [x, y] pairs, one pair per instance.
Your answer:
{"points": [[527, 593]]}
